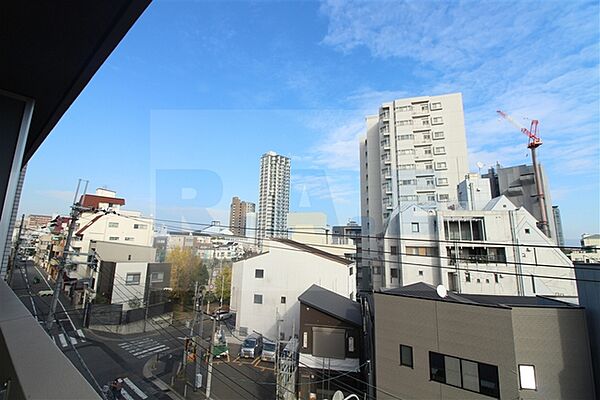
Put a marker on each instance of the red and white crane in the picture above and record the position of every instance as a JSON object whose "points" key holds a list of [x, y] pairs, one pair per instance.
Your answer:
{"points": [[534, 142]]}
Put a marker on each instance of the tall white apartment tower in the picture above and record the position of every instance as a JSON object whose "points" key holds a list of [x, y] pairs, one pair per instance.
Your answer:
{"points": [[414, 153], [274, 196]]}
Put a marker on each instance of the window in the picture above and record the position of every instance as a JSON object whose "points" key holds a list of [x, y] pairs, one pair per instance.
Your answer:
{"points": [[394, 273], [404, 108], [496, 278], [406, 137], [283, 299], [259, 273], [406, 166], [470, 375], [133, 279], [438, 134], [258, 299], [414, 227], [439, 150], [527, 377], [156, 277], [406, 356], [437, 120], [441, 165], [394, 250], [442, 181], [437, 370], [527, 231], [443, 197], [113, 238], [140, 226], [113, 224], [467, 277], [420, 273], [129, 239], [350, 271], [406, 182], [425, 122], [436, 106]]}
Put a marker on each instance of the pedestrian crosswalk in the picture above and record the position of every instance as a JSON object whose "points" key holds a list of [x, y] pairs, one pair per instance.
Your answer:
{"points": [[75, 337], [145, 347]]}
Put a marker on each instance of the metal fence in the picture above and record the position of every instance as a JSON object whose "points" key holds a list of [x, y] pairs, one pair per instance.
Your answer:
{"points": [[113, 314]]}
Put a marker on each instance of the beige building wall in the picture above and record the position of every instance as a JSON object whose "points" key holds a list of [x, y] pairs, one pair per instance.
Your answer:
{"points": [[554, 340]]}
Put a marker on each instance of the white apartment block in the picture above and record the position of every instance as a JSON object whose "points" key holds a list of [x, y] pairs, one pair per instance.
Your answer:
{"points": [[100, 225], [414, 152], [274, 196], [485, 251], [265, 287]]}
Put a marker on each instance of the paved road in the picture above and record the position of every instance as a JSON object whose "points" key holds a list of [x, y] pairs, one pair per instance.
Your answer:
{"points": [[109, 355], [102, 355]]}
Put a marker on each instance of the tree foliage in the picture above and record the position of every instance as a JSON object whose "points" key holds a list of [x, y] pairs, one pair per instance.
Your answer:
{"points": [[222, 284], [186, 269]]}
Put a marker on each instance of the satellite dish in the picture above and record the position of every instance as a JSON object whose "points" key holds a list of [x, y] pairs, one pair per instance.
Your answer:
{"points": [[441, 291], [338, 395]]}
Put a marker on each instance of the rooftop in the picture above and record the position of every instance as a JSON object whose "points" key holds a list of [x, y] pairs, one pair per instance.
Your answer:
{"points": [[426, 291], [332, 303]]}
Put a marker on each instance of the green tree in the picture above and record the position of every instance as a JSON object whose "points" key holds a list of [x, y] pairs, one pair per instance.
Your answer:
{"points": [[186, 268], [222, 284]]}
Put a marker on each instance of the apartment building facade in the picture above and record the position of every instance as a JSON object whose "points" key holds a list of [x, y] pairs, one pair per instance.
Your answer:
{"points": [[414, 152], [238, 212], [495, 250], [274, 196]]}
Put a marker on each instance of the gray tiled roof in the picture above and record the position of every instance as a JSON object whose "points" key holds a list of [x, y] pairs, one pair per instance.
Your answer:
{"points": [[332, 303]]}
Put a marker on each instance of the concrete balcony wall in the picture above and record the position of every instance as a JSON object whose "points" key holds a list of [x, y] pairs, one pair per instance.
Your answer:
{"points": [[29, 359]]}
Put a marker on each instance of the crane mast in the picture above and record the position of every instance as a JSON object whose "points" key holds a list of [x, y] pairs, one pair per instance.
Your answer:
{"points": [[534, 142]]}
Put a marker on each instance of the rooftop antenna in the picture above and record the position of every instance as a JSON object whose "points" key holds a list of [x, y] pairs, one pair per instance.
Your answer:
{"points": [[479, 166]]}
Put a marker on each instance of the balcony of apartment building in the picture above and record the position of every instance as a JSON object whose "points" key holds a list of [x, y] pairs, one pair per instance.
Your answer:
{"points": [[50, 53], [424, 139], [420, 109]]}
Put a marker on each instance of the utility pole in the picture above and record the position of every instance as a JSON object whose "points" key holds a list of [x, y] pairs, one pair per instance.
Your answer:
{"points": [[14, 257], [198, 352], [210, 359], [147, 299], [75, 212]]}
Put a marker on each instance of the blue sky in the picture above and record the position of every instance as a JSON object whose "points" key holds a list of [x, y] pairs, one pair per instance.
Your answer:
{"points": [[198, 91]]}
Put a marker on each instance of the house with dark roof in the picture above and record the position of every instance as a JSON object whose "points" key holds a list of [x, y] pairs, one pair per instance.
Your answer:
{"points": [[465, 346], [265, 287], [330, 339]]}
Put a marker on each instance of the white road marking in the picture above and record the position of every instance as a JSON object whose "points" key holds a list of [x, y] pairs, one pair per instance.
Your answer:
{"points": [[147, 350], [62, 339], [81, 335], [135, 388], [126, 395], [59, 302]]}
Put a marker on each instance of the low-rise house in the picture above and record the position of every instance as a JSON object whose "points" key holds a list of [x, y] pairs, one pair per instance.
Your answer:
{"points": [[479, 346], [330, 338], [265, 287]]}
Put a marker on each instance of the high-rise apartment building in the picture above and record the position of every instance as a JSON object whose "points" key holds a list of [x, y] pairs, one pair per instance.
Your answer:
{"points": [[414, 152], [274, 196], [237, 215]]}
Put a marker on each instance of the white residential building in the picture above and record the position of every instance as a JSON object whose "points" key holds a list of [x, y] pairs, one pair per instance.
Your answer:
{"points": [[414, 152], [487, 251], [107, 222], [590, 250], [274, 196], [265, 287]]}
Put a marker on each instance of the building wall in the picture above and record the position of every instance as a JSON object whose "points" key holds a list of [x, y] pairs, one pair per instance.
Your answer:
{"points": [[308, 227], [556, 342], [482, 334], [518, 184], [589, 297], [274, 195], [287, 272], [409, 157], [125, 293]]}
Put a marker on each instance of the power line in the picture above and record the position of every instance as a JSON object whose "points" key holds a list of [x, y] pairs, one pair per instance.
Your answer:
{"points": [[457, 268], [301, 230]]}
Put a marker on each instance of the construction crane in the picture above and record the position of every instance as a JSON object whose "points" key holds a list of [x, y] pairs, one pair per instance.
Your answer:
{"points": [[534, 142]]}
